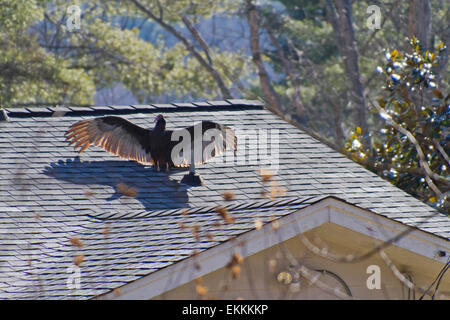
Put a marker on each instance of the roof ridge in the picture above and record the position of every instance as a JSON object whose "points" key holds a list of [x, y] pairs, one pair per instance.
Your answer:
{"points": [[60, 110], [235, 206]]}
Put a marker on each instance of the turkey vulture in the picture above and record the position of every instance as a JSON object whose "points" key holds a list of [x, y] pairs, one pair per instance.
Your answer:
{"points": [[157, 146]]}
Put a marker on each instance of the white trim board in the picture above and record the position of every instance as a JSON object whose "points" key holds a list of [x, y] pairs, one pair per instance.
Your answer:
{"points": [[330, 209]]}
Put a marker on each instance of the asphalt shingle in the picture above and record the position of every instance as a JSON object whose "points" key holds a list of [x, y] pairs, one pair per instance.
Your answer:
{"points": [[50, 194]]}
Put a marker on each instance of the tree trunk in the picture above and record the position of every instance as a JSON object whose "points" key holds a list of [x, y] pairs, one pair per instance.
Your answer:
{"points": [[266, 86], [443, 62], [288, 69], [419, 24], [340, 17]]}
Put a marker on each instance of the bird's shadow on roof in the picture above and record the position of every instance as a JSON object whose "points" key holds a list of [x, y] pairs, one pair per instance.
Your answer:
{"points": [[155, 190]]}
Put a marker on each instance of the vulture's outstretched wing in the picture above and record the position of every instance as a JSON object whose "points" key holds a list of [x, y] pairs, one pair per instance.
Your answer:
{"points": [[211, 138], [114, 134]]}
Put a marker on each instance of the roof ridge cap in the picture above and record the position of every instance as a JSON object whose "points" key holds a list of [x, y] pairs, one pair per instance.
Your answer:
{"points": [[66, 110]]}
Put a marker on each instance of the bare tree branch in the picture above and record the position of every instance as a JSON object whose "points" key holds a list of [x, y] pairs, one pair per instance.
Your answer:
{"points": [[208, 67], [197, 37]]}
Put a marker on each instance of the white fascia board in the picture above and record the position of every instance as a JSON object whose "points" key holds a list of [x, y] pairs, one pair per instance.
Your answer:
{"points": [[326, 210]]}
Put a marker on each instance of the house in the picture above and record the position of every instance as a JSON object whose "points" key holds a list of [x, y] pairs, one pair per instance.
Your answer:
{"points": [[315, 225]]}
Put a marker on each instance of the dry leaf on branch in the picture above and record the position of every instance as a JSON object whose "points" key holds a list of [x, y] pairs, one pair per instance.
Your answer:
{"points": [[78, 260], [199, 288], [127, 190], [195, 229], [258, 224], [266, 175], [234, 263], [235, 271], [228, 196], [117, 292], [76, 242], [236, 258], [106, 231], [223, 212], [88, 193]]}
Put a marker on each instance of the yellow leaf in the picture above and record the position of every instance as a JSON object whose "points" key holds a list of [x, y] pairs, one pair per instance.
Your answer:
{"points": [[358, 130], [432, 56], [394, 54], [432, 199]]}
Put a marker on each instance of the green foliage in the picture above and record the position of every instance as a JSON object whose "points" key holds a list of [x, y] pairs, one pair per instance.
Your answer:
{"points": [[41, 61], [29, 73], [412, 100]]}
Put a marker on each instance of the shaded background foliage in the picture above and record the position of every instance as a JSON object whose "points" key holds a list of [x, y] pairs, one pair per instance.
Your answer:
{"points": [[312, 62]]}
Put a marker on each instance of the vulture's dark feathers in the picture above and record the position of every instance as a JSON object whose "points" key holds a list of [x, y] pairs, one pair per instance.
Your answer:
{"points": [[147, 146]]}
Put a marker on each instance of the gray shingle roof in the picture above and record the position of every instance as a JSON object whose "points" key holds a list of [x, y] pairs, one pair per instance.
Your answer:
{"points": [[49, 195]]}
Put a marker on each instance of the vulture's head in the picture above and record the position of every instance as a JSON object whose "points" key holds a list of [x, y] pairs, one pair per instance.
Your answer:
{"points": [[160, 122]]}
